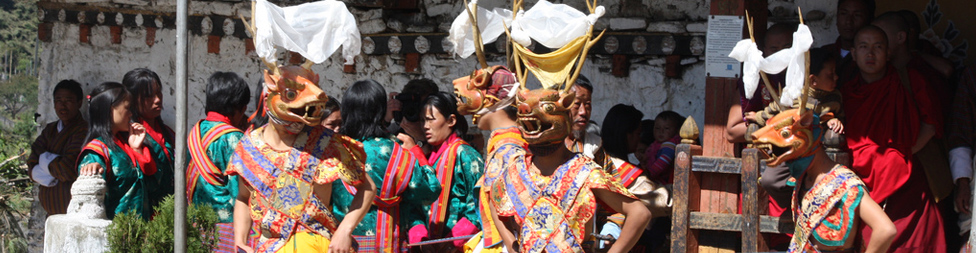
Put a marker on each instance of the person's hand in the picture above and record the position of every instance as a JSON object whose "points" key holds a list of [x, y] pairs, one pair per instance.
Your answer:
{"points": [[341, 242], [964, 196], [835, 125], [413, 130], [244, 247], [392, 105], [91, 169], [137, 133], [408, 141], [752, 117]]}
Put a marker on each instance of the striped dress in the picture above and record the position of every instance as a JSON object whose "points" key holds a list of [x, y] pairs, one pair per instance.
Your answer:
{"points": [[67, 144]]}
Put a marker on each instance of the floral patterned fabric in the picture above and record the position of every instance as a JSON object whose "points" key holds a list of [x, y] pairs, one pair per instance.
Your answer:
{"points": [[827, 212], [282, 201], [552, 211]]}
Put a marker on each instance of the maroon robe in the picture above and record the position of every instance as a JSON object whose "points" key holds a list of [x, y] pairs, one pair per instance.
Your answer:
{"points": [[883, 124]]}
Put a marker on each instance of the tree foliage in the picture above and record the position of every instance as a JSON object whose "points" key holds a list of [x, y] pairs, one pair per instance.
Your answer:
{"points": [[18, 33]]}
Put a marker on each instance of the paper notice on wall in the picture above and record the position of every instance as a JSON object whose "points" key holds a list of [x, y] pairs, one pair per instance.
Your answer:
{"points": [[723, 32]]}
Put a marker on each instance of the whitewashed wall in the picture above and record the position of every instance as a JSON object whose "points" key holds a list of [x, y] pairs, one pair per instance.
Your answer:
{"points": [[646, 87]]}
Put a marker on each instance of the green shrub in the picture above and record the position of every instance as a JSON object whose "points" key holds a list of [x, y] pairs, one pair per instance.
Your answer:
{"points": [[129, 233]]}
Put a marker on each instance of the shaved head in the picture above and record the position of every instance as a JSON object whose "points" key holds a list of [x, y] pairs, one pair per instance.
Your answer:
{"points": [[914, 27], [894, 26], [871, 30], [895, 20], [870, 52]]}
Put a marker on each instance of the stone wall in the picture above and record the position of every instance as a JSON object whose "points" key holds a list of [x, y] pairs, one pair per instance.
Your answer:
{"points": [[646, 86], [114, 36], [101, 59]]}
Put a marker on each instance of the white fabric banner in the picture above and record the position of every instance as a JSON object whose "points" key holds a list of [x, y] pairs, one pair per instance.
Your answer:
{"points": [[315, 30], [552, 25], [491, 24], [790, 59]]}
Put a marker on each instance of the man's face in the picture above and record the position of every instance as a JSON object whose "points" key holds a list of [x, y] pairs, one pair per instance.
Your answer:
{"points": [[66, 104], [851, 16], [581, 109], [776, 42], [871, 51]]}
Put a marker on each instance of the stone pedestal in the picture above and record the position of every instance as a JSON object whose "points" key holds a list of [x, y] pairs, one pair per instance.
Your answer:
{"points": [[84, 227]]}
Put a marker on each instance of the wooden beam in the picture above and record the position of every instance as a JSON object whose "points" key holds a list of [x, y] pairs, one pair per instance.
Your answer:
{"points": [[733, 223], [726, 165]]}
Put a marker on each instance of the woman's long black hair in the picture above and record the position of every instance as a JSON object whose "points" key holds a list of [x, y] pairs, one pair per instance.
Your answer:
{"points": [[143, 84], [101, 100], [363, 109], [620, 121], [447, 105]]}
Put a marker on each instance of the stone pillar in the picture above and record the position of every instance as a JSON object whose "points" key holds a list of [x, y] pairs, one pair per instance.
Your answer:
{"points": [[84, 227]]}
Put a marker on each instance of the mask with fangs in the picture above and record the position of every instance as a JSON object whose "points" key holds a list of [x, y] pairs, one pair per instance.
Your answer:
{"points": [[790, 137], [543, 115], [294, 96]]}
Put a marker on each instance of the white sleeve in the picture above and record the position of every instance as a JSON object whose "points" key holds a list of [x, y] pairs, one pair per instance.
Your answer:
{"points": [[961, 162]]}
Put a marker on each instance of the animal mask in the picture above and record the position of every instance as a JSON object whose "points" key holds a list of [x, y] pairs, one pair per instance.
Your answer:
{"points": [[294, 96], [543, 115], [789, 136], [485, 91]]}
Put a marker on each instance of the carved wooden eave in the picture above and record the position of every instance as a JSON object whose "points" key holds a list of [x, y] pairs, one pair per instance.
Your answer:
{"points": [[215, 26]]}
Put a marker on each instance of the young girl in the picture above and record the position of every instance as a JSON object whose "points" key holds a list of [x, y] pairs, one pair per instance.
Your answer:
{"points": [[115, 150], [146, 107], [458, 167], [405, 184]]}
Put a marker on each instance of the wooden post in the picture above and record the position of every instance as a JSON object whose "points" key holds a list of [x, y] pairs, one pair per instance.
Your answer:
{"points": [[721, 93], [686, 199], [752, 241]]}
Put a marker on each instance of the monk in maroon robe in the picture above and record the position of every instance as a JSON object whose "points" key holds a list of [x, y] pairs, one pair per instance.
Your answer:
{"points": [[885, 123]]}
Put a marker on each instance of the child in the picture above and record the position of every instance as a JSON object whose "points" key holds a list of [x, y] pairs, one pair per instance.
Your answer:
{"points": [[115, 148], [824, 99], [660, 155], [646, 139]]}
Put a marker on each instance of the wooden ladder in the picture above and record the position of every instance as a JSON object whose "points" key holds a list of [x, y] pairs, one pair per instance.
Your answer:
{"points": [[706, 196]]}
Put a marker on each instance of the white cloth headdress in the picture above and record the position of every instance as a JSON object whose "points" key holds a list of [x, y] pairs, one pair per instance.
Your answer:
{"points": [[552, 25], [790, 59], [491, 24], [315, 30]]}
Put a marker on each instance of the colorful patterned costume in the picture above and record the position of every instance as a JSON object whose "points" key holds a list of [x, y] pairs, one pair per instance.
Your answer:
{"points": [[551, 211], [827, 212], [210, 145], [159, 139], [458, 166], [406, 185], [128, 176], [283, 201], [66, 143], [508, 137]]}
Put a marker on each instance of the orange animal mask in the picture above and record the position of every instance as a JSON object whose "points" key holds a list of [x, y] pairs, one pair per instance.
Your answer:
{"points": [[485, 91], [294, 98], [543, 115], [789, 136]]}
